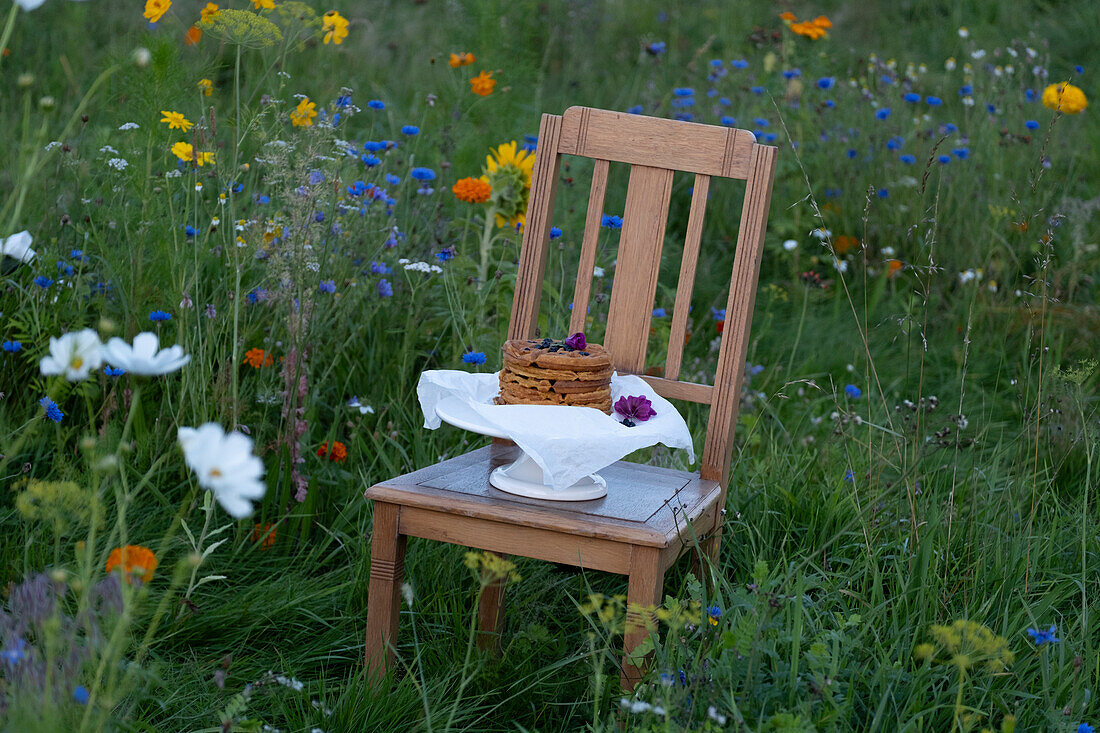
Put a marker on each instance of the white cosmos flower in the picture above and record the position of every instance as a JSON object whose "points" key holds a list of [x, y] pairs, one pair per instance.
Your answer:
{"points": [[73, 355], [223, 463], [18, 246], [144, 358]]}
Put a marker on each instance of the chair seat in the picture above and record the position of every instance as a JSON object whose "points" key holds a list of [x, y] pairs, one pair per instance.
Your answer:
{"points": [[645, 505]]}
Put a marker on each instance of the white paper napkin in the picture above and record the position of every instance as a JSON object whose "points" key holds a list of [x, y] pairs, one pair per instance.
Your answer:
{"points": [[568, 443]]}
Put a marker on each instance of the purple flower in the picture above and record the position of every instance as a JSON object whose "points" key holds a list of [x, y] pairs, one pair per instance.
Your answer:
{"points": [[328, 286], [577, 341], [634, 409]]}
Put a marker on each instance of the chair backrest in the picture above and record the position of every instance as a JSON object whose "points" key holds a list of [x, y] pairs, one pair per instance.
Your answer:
{"points": [[654, 148]]}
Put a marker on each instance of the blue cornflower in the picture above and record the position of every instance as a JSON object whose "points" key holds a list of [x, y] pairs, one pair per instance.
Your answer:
{"points": [[792, 73], [728, 121], [316, 177], [81, 695], [830, 103], [343, 101], [757, 90], [65, 269], [373, 147], [635, 110], [188, 230], [110, 371], [445, 254], [718, 314], [907, 159], [236, 187], [659, 313], [261, 198], [882, 193], [11, 346], [473, 357], [681, 102], [1029, 95], [611, 222], [357, 189], [327, 286], [1041, 637], [966, 90], [852, 153], [760, 121], [319, 217], [656, 48], [43, 282], [410, 130], [849, 476], [826, 82], [716, 63], [555, 232], [392, 179], [160, 316], [912, 97], [739, 64], [683, 91], [256, 295], [684, 116], [945, 159], [384, 288], [853, 391], [13, 654], [1085, 727], [961, 153], [380, 268], [52, 410], [883, 113], [949, 127], [1079, 69], [376, 104], [833, 193], [887, 79], [895, 142], [933, 101], [422, 174], [77, 255], [771, 137], [1031, 125], [713, 614], [724, 101], [370, 160], [991, 109]]}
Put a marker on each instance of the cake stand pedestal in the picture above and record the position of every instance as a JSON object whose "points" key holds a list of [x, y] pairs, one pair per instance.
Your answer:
{"points": [[522, 477]]}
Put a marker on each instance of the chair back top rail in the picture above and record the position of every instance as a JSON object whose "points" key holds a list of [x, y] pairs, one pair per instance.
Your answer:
{"points": [[655, 149]]}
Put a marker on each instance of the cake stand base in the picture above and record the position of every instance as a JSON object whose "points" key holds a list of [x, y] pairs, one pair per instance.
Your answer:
{"points": [[524, 478]]}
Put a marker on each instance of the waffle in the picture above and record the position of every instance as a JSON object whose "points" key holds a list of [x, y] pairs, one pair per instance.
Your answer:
{"points": [[547, 372]]}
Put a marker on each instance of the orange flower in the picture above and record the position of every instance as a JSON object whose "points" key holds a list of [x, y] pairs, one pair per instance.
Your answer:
{"points": [[339, 451], [822, 22], [472, 190], [461, 59], [133, 559], [257, 358], [209, 11], [788, 16], [264, 535], [155, 9], [808, 29], [482, 84], [893, 267], [263, 4], [192, 36], [845, 243]]}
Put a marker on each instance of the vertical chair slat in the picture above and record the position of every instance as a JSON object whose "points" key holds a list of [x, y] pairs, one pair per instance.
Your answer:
{"points": [[536, 230], [639, 261], [684, 285], [739, 307], [583, 288]]}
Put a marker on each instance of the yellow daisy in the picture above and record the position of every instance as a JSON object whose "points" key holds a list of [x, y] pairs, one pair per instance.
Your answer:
{"points": [[176, 121], [507, 154], [303, 114]]}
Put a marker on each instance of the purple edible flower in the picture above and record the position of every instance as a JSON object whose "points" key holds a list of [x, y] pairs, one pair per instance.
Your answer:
{"points": [[634, 409], [577, 341]]}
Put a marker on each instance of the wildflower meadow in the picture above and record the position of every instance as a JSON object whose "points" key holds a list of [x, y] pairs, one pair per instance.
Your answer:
{"points": [[234, 235]]}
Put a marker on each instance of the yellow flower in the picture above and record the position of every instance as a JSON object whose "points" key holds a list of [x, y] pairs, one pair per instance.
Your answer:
{"points": [[482, 84], [508, 170], [209, 11], [509, 154], [176, 121], [155, 9], [303, 114], [206, 87], [335, 27], [1065, 97], [263, 4], [186, 152]]}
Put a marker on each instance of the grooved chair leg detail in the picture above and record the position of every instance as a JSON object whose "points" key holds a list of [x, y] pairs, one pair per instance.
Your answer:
{"points": [[387, 569], [643, 590]]}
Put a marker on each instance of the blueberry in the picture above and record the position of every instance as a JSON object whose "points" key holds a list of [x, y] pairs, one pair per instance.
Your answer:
{"points": [[629, 423], [567, 347], [584, 353], [554, 348]]}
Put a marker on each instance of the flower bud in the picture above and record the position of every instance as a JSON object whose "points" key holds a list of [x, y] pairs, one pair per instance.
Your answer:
{"points": [[47, 103], [142, 56], [25, 80]]}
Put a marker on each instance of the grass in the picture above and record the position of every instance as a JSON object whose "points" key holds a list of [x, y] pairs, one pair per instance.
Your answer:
{"points": [[958, 484]]}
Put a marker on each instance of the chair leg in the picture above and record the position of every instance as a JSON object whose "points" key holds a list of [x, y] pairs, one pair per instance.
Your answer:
{"points": [[644, 589], [490, 615], [387, 568]]}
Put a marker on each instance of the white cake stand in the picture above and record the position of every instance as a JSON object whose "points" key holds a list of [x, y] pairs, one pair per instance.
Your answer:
{"points": [[523, 476]]}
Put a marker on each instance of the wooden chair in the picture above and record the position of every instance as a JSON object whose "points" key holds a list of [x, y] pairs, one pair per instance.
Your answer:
{"points": [[641, 526]]}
